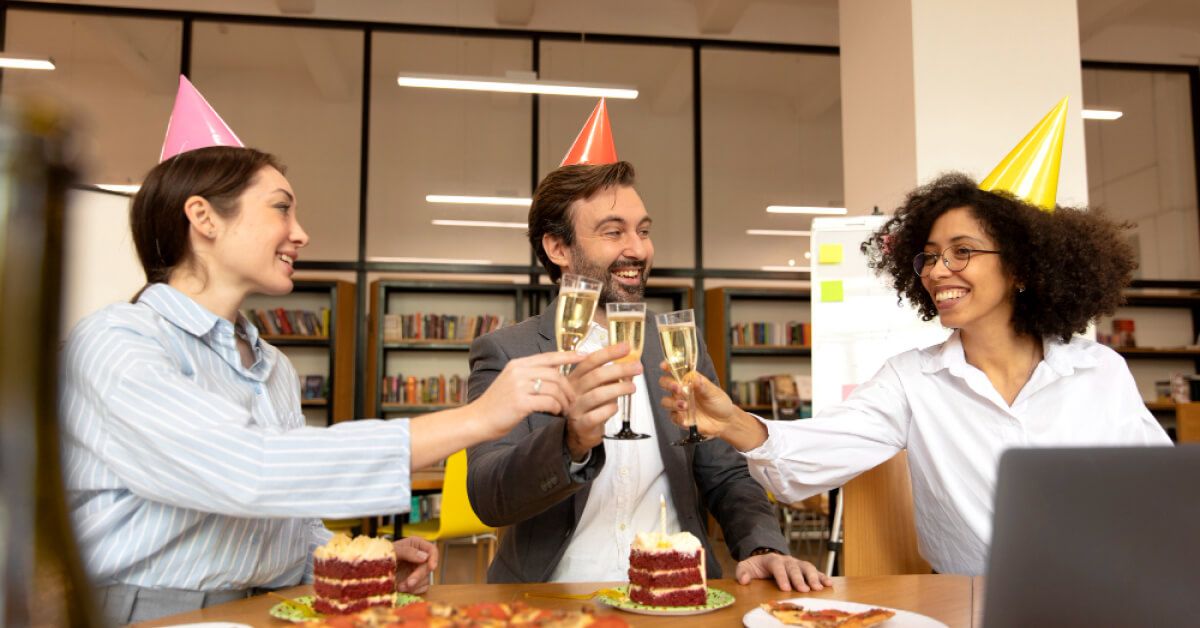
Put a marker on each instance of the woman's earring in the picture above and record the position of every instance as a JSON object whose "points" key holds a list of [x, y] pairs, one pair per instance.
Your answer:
{"points": [[1020, 288]]}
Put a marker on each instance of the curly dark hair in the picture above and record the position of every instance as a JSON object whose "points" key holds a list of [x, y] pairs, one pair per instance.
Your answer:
{"points": [[1073, 262]]}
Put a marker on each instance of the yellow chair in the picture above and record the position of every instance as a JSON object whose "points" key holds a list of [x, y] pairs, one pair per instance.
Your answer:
{"points": [[458, 522]]}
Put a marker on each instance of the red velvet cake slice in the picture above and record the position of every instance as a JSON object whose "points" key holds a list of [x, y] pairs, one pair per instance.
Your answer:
{"points": [[667, 570], [349, 576]]}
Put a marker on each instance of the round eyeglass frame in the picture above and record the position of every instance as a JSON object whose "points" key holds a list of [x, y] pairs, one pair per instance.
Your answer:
{"points": [[923, 268]]}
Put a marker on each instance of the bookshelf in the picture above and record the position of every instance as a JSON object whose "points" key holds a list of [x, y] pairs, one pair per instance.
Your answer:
{"points": [[1167, 322], [433, 357], [728, 306], [331, 356]]}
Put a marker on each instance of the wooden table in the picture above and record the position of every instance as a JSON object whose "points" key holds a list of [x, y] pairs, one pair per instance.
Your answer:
{"points": [[945, 598]]}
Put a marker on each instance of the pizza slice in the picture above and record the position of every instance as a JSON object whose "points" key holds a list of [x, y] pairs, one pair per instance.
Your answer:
{"points": [[795, 615]]}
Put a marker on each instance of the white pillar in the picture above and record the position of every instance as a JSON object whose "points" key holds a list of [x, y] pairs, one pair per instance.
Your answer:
{"points": [[936, 85]]}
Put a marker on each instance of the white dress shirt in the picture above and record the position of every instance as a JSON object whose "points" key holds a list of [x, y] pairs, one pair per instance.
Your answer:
{"points": [[955, 425], [623, 499]]}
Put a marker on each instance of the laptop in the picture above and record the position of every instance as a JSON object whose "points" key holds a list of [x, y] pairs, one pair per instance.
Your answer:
{"points": [[1096, 537]]}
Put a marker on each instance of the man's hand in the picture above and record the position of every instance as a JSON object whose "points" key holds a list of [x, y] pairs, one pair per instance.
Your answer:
{"points": [[597, 385], [790, 573], [416, 558]]}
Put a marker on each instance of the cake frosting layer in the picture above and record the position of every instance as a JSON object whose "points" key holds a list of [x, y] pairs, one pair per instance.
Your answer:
{"points": [[361, 548], [667, 578], [354, 589]]}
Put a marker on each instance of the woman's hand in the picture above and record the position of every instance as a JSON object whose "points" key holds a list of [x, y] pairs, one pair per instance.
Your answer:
{"points": [[714, 409], [526, 385], [716, 415], [416, 559]]}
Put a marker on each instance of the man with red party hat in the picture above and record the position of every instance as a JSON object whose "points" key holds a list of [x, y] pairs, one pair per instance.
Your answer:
{"points": [[575, 500]]}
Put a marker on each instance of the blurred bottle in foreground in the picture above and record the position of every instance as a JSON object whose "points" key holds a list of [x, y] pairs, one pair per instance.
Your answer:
{"points": [[42, 582]]}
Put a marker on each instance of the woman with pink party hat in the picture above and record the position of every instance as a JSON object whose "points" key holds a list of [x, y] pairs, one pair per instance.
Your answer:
{"points": [[192, 477], [1015, 278]]}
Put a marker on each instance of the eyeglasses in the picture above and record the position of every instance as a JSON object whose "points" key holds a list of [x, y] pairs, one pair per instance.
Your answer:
{"points": [[957, 259]]}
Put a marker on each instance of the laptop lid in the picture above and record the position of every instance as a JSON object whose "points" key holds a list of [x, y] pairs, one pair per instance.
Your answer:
{"points": [[1096, 537]]}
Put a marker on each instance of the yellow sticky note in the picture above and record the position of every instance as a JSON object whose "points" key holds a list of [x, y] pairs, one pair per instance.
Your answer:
{"points": [[831, 291], [829, 254]]}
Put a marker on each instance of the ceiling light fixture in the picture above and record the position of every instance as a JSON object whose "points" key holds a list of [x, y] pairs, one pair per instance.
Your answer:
{"points": [[480, 223], [513, 201], [800, 209], [120, 188], [1102, 114], [428, 260], [18, 62], [515, 85], [779, 232]]}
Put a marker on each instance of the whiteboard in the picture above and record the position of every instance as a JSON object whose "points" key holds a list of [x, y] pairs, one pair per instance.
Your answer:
{"points": [[857, 322], [100, 264]]}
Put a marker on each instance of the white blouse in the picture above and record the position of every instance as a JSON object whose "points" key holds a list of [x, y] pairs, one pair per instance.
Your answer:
{"points": [[955, 426]]}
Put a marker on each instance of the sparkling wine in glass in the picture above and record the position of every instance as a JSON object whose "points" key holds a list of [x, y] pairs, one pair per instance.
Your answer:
{"points": [[626, 323], [677, 332], [577, 299]]}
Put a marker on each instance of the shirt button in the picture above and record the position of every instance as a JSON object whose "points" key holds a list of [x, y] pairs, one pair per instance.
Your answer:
{"points": [[624, 472], [258, 389], [622, 527]]}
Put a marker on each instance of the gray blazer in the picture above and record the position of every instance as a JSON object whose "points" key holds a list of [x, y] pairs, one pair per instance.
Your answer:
{"points": [[523, 480]]}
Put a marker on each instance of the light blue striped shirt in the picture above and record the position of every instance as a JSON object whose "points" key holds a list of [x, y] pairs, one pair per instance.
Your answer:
{"points": [[187, 470]]}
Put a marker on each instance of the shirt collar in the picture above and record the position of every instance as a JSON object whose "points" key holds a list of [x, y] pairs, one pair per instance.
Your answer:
{"points": [[179, 309], [1063, 357]]}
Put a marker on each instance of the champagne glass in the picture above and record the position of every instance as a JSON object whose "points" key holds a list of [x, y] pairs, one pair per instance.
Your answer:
{"points": [[626, 323], [677, 331], [577, 297]]}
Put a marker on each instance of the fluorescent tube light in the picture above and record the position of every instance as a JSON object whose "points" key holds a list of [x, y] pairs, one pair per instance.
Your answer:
{"points": [[518, 86], [17, 62], [480, 223], [788, 269], [428, 260], [479, 200], [778, 232], [123, 188], [1102, 114], [798, 209]]}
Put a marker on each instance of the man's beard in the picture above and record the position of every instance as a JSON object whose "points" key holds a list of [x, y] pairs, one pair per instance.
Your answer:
{"points": [[611, 291]]}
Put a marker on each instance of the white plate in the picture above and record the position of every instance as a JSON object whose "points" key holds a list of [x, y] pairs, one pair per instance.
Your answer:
{"points": [[758, 618]]}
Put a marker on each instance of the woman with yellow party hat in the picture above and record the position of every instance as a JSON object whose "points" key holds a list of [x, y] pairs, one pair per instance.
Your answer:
{"points": [[1015, 278]]}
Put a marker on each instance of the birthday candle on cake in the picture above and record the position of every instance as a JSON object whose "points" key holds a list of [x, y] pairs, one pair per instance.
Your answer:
{"points": [[662, 516]]}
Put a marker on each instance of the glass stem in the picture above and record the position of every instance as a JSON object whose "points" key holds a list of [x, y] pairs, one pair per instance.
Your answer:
{"points": [[691, 409], [625, 411]]}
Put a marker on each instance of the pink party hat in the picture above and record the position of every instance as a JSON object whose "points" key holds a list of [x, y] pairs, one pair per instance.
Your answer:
{"points": [[594, 145], [194, 124]]}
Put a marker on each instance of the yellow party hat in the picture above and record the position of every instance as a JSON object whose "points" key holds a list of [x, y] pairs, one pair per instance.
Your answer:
{"points": [[1030, 170]]}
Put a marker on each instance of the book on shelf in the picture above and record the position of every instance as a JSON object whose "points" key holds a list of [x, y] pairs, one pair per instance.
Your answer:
{"points": [[313, 387], [756, 334], [757, 392], [281, 322], [424, 508], [454, 327], [426, 391]]}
